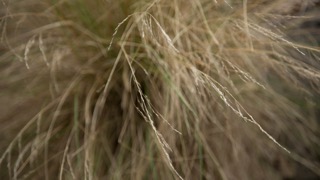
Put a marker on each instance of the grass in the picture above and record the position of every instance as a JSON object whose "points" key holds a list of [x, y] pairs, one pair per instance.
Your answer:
{"points": [[156, 89]]}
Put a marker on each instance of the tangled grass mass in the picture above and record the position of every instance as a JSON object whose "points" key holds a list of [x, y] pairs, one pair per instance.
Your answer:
{"points": [[160, 89]]}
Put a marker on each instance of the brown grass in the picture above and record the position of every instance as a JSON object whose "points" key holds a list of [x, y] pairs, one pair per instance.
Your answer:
{"points": [[162, 89]]}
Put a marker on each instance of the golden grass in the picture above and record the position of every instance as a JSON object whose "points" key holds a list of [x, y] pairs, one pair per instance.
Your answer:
{"points": [[158, 89]]}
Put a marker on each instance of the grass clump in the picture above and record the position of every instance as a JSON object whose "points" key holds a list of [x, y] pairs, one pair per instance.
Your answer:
{"points": [[158, 90]]}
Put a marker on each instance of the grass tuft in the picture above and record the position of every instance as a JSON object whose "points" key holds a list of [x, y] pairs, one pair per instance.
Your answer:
{"points": [[154, 89]]}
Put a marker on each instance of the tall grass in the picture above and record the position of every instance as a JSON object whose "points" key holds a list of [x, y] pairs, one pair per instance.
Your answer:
{"points": [[158, 89]]}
